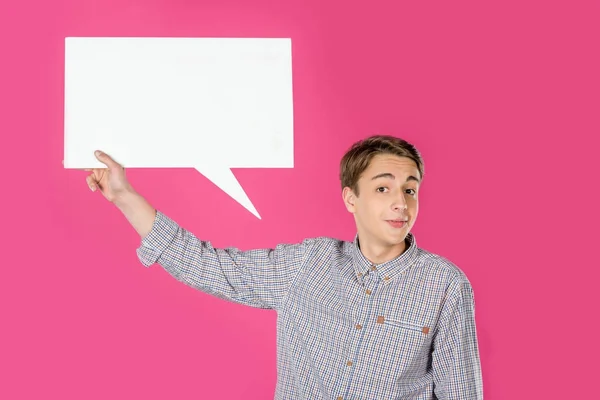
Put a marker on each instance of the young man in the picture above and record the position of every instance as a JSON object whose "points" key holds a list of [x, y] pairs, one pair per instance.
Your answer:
{"points": [[375, 318]]}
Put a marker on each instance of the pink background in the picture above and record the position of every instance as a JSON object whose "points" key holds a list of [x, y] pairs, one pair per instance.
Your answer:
{"points": [[502, 98]]}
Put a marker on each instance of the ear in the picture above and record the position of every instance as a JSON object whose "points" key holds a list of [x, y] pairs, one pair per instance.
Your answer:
{"points": [[349, 199]]}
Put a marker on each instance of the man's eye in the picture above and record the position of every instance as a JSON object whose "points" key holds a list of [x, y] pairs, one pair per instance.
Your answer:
{"points": [[382, 189], [409, 191]]}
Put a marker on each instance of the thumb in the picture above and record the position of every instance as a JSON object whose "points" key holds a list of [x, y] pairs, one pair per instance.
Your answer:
{"points": [[106, 159]]}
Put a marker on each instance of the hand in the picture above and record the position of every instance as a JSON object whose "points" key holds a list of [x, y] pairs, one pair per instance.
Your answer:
{"points": [[111, 180]]}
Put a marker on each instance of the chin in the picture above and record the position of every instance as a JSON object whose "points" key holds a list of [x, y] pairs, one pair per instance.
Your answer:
{"points": [[396, 239]]}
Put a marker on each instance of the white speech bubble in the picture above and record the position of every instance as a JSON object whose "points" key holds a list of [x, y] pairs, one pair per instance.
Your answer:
{"points": [[208, 103]]}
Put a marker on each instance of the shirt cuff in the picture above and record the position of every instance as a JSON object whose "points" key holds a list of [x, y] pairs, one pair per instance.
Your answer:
{"points": [[156, 242]]}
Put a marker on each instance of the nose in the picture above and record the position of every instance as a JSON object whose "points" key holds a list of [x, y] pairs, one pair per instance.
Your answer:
{"points": [[400, 204]]}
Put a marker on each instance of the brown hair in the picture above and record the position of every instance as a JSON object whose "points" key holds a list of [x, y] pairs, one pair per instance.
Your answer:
{"points": [[359, 156]]}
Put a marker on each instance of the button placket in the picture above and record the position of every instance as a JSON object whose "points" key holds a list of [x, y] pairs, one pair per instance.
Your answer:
{"points": [[370, 280], [364, 313]]}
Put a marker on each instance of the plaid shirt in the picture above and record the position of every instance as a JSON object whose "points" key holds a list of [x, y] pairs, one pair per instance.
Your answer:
{"points": [[346, 329]]}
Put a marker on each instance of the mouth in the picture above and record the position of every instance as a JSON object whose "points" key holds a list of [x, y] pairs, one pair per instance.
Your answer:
{"points": [[397, 223]]}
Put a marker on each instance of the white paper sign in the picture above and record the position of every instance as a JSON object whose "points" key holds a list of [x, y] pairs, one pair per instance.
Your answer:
{"points": [[205, 103]]}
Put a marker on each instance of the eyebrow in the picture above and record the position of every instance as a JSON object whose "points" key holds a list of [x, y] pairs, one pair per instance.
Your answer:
{"points": [[391, 176]]}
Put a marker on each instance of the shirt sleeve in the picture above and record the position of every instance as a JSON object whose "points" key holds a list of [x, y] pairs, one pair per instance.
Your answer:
{"points": [[258, 278], [455, 358]]}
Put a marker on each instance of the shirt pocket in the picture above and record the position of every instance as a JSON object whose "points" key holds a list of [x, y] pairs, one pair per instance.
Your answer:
{"points": [[404, 346], [405, 325]]}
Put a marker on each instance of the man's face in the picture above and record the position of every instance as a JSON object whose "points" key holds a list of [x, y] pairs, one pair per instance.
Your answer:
{"points": [[387, 205]]}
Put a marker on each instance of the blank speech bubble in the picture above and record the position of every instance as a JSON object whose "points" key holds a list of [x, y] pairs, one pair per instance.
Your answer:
{"points": [[207, 103]]}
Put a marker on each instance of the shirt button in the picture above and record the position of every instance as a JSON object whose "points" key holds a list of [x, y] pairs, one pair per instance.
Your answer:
{"points": [[349, 363], [368, 291], [339, 398], [387, 278], [373, 268], [358, 326]]}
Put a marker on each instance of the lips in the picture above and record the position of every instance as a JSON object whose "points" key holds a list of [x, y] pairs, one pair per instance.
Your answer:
{"points": [[397, 223]]}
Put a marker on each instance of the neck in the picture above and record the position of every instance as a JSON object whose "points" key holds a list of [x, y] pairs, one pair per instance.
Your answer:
{"points": [[379, 254]]}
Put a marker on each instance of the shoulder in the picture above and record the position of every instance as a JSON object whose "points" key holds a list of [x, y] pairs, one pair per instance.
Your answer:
{"points": [[441, 269], [447, 277], [326, 245], [326, 242]]}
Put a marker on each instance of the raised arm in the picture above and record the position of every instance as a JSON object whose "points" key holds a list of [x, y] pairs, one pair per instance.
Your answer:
{"points": [[258, 278]]}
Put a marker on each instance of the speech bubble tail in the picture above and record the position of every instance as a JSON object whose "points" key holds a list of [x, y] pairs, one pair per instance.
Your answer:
{"points": [[224, 178]]}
